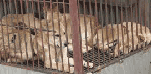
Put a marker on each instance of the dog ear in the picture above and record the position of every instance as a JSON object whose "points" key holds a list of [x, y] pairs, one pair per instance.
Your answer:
{"points": [[46, 8], [55, 8], [141, 38]]}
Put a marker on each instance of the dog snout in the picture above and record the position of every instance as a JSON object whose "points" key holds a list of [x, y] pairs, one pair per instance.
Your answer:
{"points": [[66, 44]]}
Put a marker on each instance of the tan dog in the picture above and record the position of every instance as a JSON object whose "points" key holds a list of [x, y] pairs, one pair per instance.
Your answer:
{"points": [[55, 51], [16, 42], [4, 37], [28, 19], [21, 42], [90, 25], [115, 31], [139, 39], [107, 35]]}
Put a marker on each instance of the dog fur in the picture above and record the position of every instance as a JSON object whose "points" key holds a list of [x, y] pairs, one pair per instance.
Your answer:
{"points": [[16, 44], [28, 19], [139, 38]]}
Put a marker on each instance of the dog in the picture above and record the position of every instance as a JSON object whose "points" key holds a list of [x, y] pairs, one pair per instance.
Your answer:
{"points": [[5, 35], [28, 19], [139, 38], [105, 36], [67, 27], [55, 51], [17, 43]]}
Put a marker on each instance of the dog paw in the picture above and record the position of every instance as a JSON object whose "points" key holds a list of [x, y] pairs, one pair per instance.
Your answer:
{"points": [[90, 64]]}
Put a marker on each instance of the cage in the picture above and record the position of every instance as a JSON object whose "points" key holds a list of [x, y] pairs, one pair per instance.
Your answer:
{"points": [[72, 36]]}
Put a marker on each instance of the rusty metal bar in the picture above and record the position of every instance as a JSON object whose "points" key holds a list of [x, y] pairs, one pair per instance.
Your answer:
{"points": [[78, 65], [48, 36], [140, 16], [35, 36], [3, 40], [136, 20], [66, 33], [126, 11], [146, 15], [7, 28], [41, 34], [90, 13], [23, 31], [80, 39], [86, 35], [60, 37], [122, 24], [13, 24], [111, 12], [117, 18], [53, 32], [18, 35], [131, 12], [102, 30], [106, 23], [17, 29]]}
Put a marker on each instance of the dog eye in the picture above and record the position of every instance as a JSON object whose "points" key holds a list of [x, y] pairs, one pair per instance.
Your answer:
{"points": [[57, 45], [13, 38], [57, 35], [32, 31]]}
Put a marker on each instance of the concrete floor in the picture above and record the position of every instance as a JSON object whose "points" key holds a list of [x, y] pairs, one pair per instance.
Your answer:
{"points": [[139, 63]]}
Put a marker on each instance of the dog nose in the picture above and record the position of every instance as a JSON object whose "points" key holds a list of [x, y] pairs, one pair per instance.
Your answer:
{"points": [[66, 44]]}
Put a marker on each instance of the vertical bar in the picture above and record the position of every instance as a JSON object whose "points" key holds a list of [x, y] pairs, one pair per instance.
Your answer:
{"points": [[86, 35], [35, 36], [146, 15], [136, 20], [23, 28], [53, 32], [127, 25], [1, 9], [101, 14], [66, 33], [31, 45], [10, 4], [150, 15], [131, 12], [3, 34], [30, 33], [5, 11], [106, 23], [60, 36], [41, 33], [122, 24], [48, 36], [140, 16], [96, 18], [111, 16], [90, 12], [117, 18], [17, 25], [78, 65], [80, 27]]}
